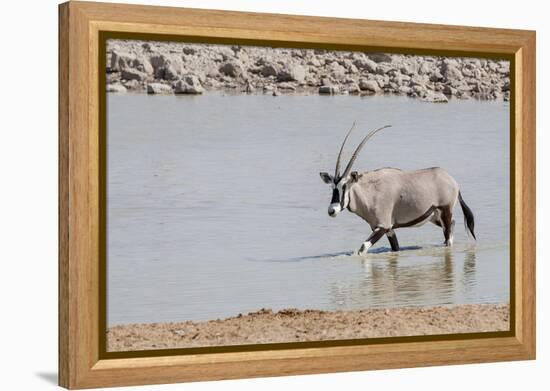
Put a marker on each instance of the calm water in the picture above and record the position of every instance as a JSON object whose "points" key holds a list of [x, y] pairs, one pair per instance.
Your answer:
{"points": [[215, 205]]}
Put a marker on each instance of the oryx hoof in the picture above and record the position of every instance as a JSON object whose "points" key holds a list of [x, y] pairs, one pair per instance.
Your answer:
{"points": [[364, 248]]}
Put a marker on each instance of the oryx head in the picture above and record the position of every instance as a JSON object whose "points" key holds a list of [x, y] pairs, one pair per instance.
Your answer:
{"points": [[341, 183]]}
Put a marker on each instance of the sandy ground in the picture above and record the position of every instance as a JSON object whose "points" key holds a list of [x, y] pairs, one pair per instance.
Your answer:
{"points": [[291, 325]]}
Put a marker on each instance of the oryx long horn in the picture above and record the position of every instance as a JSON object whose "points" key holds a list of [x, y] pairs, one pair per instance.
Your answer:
{"points": [[337, 170], [358, 149]]}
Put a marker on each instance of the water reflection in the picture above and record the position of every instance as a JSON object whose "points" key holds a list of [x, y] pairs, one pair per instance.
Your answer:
{"points": [[401, 280], [469, 270]]}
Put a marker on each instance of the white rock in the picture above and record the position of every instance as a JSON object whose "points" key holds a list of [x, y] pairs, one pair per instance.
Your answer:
{"points": [[170, 72], [369, 85], [269, 70], [328, 90], [118, 88], [435, 97], [449, 90], [366, 64], [292, 73], [143, 64], [133, 74], [286, 86], [353, 88], [426, 68], [189, 84], [379, 57], [132, 84], [159, 61], [337, 70], [453, 73], [121, 60], [232, 69], [417, 80], [383, 69], [158, 88], [314, 62], [404, 90], [419, 90]]}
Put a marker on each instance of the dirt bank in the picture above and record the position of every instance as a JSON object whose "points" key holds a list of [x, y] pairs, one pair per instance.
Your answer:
{"points": [[290, 325]]}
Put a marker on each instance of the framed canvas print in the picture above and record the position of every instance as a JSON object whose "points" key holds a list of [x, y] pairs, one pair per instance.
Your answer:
{"points": [[251, 195]]}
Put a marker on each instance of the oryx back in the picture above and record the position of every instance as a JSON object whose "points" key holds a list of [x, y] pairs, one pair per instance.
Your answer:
{"points": [[390, 197]]}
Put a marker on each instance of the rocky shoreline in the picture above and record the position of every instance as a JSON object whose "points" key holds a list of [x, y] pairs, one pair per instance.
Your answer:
{"points": [[292, 325], [177, 68]]}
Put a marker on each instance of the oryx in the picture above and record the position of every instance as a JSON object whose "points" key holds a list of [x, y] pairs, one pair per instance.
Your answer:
{"points": [[389, 198]]}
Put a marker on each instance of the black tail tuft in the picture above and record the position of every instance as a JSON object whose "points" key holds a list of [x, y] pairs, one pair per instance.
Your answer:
{"points": [[468, 215]]}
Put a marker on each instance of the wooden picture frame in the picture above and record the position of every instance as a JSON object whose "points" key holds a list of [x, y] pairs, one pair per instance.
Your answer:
{"points": [[82, 25]]}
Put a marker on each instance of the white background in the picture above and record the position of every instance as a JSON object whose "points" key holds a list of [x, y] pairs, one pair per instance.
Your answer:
{"points": [[28, 196]]}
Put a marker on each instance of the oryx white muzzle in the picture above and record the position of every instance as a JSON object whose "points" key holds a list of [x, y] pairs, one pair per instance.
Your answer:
{"points": [[334, 209]]}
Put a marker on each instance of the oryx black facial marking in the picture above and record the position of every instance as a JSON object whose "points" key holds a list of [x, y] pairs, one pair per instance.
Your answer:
{"points": [[390, 198], [338, 195], [339, 200], [335, 196]]}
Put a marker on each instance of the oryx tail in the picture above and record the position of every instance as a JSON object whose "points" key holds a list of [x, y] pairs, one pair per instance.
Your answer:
{"points": [[468, 215]]}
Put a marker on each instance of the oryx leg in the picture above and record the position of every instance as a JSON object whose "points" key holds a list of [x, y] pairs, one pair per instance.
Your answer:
{"points": [[372, 239], [448, 225], [436, 218], [392, 237]]}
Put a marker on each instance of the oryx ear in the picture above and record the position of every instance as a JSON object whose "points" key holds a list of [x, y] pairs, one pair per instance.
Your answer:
{"points": [[354, 176], [325, 176]]}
